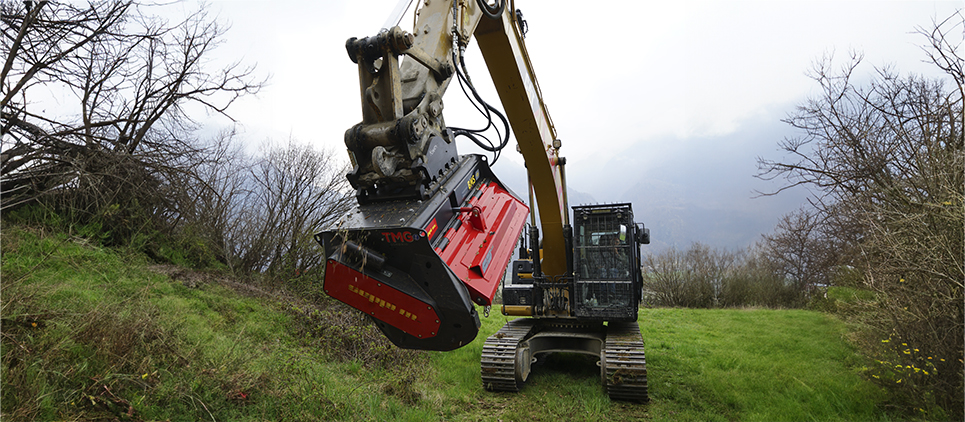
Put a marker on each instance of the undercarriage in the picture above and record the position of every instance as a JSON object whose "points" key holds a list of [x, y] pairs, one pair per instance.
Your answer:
{"points": [[508, 355]]}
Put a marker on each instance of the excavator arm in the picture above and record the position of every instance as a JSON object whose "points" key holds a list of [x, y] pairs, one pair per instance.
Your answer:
{"points": [[434, 231], [501, 43]]}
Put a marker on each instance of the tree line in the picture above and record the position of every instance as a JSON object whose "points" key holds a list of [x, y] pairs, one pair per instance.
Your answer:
{"points": [[705, 277]]}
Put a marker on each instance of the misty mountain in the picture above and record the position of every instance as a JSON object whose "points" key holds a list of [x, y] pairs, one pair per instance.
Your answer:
{"points": [[705, 189], [677, 217], [700, 189]]}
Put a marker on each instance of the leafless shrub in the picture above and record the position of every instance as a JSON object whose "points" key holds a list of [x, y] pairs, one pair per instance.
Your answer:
{"points": [[664, 278], [291, 193], [804, 252], [211, 196], [703, 277], [887, 160]]}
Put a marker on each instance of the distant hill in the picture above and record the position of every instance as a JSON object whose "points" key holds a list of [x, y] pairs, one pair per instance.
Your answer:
{"points": [[699, 189]]}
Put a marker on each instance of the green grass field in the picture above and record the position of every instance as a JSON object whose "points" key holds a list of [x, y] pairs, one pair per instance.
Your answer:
{"points": [[90, 333], [703, 365]]}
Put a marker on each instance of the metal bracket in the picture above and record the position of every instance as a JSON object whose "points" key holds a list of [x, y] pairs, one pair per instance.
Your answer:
{"points": [[475, 217]]}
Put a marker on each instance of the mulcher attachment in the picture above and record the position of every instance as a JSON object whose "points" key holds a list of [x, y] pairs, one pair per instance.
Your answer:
{"points": [[418, 265]]}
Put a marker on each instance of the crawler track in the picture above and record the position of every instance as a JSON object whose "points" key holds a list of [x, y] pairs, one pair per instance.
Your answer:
{"points": [[500, 355], [624, 366]]}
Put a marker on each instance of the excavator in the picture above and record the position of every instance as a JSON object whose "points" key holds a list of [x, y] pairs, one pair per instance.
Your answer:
{"points": [[433, 232]]}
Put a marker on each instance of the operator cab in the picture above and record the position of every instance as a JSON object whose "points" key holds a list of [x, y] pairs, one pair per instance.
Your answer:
{"points": [[605, 282], [606, 258]]}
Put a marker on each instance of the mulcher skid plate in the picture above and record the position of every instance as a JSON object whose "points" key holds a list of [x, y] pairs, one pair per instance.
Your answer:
{"points": [[417, 266]]}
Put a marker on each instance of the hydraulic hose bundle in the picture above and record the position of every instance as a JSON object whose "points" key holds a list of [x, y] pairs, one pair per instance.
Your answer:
{"points": [[484, 108]]}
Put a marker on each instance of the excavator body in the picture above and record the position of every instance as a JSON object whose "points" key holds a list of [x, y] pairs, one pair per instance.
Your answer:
{"points": [[591, 310], [434, 231]]}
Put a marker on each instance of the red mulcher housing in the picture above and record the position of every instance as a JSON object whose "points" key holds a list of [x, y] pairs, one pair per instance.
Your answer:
{"points": [[418, 265]]}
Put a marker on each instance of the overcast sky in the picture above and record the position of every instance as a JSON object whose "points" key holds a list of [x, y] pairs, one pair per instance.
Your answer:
{"points": [[645, 84]]}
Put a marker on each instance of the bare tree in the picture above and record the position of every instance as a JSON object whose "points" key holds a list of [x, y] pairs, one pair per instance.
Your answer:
{"points": [[709, 270], [805, 251], [294, 192], [665, 278], [211, 196], [130, 76], [887, 160]]}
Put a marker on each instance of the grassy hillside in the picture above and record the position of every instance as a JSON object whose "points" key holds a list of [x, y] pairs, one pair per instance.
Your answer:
{"points": [[91, 333]]}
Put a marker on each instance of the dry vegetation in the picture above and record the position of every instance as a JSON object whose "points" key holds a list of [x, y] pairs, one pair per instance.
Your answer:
{"points": [[886, 159]]}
